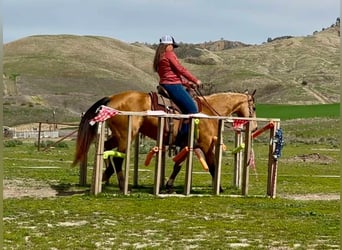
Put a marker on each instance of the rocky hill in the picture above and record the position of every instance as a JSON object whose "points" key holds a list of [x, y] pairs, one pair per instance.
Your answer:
{"points": [[65, 74]]}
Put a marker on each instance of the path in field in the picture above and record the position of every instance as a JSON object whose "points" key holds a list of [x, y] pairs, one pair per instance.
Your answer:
{"points": [[321, 98]]}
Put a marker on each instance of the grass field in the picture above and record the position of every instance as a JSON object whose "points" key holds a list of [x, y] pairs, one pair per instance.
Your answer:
{"points": [[46, 209], [286, 112]]}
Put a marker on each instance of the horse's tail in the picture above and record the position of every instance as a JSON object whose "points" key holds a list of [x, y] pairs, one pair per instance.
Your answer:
{"points": [[86, 132]]}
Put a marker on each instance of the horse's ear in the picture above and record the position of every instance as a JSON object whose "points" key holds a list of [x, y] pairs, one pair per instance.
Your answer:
{"points": [[253, 93], [246, 91]]}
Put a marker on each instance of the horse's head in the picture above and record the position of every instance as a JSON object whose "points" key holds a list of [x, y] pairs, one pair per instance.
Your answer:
{"points": [[225, 104], [247, 109]]}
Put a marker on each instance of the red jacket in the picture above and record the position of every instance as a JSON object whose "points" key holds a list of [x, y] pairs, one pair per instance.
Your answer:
{"points": [[171, 71]]}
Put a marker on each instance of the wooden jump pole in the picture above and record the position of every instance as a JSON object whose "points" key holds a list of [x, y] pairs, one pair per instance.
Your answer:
{"points": [[188, 169], [96, 185], [128, 154], [237, 160], [272, 164], [159, 156], [218, 157], [246, 156]]}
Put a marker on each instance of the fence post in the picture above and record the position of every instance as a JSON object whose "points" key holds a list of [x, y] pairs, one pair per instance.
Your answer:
{"points": [[218, 157], [188, 170], [39, 131], [128, 154], [272, 164], [237, 160], [97, 171], [245, 169], [159, 157]]}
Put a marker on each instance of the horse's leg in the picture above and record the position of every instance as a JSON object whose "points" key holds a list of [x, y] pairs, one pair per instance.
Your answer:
{"points": [[122, 147], [119, 174], [118, 169], [210, 159], [169, 184], [109, 171]]}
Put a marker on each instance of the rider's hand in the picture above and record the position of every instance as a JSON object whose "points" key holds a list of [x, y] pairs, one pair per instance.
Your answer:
{"points": [[199, 84], [195, 85]]}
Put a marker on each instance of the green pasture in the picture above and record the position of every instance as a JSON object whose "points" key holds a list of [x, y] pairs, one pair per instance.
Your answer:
{"points": [[302, 216], [286, 112]]}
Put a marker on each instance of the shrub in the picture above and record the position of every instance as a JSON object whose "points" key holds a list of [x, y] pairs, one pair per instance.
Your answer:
{"points": [[49, 143], [12, 143], [62, 144]]}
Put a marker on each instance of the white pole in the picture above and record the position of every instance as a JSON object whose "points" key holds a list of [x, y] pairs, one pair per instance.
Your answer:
{"points": [[218, 157], [128, 154], [159, 157]]}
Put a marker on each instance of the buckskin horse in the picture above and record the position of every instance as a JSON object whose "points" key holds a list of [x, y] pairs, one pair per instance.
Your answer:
{"points": [[218, 104]]}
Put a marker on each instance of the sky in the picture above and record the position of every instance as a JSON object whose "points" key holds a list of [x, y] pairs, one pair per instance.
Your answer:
{"points": [[188, 21]]}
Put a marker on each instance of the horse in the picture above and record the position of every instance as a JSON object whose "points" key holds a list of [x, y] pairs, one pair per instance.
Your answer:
{"points": [[217, 104]]}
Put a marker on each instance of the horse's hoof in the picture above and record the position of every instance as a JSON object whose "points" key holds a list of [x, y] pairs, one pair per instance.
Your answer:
{"points": [[169, 189], [105, 178], [121, 189]]}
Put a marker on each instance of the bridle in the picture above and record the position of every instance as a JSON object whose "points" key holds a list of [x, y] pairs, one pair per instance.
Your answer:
{"points": [[251, 108]]}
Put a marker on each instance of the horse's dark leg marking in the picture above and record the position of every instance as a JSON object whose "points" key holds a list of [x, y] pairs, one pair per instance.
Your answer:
{"points": [[109, 171], [169, 184], [212, 173], [119, 174], [118, 169]]}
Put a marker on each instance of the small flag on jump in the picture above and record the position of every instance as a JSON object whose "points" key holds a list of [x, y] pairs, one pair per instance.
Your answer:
{"points": [[104, 113], [238, 124]]}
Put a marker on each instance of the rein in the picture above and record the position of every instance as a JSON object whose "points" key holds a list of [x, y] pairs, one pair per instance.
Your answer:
{"points": [[199, 93], [250, 103], [249, 100]]}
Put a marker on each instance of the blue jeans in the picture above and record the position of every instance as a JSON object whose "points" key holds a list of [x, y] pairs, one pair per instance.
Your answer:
{"points": [[184, 101], [181, 97]]}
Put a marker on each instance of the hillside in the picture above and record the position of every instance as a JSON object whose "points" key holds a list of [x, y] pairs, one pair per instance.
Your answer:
{"points": [[68, 73]]}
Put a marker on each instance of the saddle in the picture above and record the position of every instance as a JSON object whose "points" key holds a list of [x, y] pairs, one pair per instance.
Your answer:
{"points": [[161, 100]]}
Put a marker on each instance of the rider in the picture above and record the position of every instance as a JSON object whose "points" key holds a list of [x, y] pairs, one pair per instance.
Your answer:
{"points": [[174, 77]]}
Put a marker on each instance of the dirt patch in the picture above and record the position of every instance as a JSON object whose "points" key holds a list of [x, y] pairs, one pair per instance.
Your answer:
{"points": [[313, 197], [20, 188], [314, 157]]}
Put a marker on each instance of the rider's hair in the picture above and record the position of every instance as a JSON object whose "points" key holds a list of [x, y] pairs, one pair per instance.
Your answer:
{"points": [[159, 52]]}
